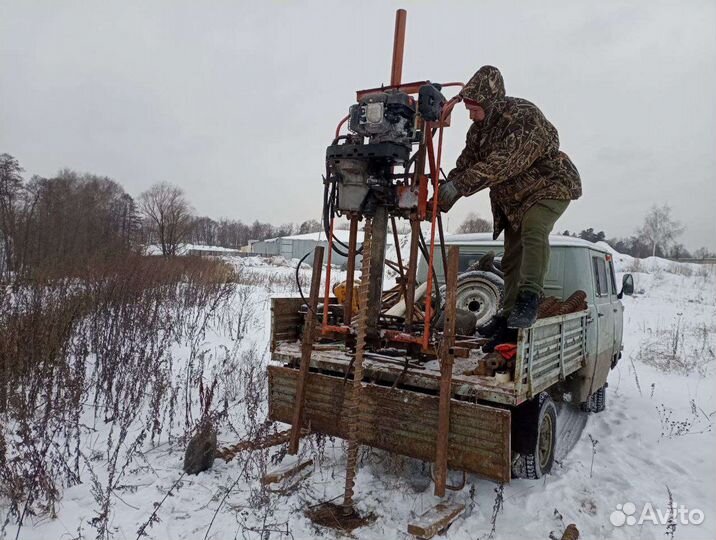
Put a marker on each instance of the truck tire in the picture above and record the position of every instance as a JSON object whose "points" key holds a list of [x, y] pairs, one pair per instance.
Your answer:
{"points": [[541, 442], [596, 402], [600, 399], [478, 292]]}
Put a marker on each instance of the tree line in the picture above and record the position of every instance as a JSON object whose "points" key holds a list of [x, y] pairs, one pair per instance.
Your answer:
{"points": [[70, 217], [657, 236], [55, 222]]}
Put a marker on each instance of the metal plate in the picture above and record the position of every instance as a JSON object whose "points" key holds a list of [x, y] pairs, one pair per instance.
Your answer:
{"points": [[400, 421]]}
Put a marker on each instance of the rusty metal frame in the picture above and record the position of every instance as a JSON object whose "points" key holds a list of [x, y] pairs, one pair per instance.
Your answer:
{"points": [[306, 350], [446, 363]]}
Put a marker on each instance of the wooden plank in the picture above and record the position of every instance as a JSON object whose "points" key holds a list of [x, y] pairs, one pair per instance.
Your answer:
{"points": [[437, 519], [306, 350], [479, 436], [285, 470]]}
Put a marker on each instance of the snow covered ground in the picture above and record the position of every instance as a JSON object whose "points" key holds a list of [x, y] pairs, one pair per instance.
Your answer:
{"points": [[653, 442]]}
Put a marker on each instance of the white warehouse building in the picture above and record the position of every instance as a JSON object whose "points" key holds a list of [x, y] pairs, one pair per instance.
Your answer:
{"points": [[296, 246]]}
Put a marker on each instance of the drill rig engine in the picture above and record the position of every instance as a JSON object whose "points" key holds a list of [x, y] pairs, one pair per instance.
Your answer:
{"points": [[369, 173], [364, 170]]}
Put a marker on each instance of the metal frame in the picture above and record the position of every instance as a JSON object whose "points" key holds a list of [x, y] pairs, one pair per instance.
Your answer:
{"points": [[426, 150]]}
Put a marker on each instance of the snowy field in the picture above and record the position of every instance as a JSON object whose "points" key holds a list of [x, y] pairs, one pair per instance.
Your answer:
{"points": [[654, 442]]}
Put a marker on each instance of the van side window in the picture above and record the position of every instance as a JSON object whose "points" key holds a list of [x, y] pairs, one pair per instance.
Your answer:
{"points": [[613, 277], [600, 276], [469, 258]]}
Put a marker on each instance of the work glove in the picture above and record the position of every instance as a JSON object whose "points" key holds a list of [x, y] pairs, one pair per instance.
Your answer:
{"points": [[448, 195]]}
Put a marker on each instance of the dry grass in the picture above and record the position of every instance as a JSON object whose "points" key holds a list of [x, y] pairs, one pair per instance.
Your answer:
{"points": [[679, 348], [97, 339]]}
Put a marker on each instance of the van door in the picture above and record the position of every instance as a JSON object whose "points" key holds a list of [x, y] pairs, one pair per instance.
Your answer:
{"points": [[617, 308], [605, 319]]}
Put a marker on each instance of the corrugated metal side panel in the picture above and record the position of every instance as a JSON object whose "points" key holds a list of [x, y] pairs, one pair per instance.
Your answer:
{"points": [[285, 248], [400, 421], [265, 248], [550, 351]]}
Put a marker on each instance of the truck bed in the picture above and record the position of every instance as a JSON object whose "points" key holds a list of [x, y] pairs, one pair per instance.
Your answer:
{"points": [[547, 353], [403, 417]]}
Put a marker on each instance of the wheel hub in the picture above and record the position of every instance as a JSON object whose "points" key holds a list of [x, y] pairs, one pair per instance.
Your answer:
{"points": [[545, 441]]}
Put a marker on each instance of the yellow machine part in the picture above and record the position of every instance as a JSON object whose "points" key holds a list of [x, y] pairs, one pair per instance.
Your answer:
{"points": [[340, 290]]}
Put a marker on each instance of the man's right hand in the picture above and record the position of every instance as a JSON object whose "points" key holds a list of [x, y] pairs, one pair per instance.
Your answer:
{"points": [[448, 195]]}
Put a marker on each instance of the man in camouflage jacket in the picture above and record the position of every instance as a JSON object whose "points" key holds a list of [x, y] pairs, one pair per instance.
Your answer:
{"points": [[513, 149]]}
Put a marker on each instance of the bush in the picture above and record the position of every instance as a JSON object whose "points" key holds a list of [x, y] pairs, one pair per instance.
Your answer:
{"points": [[98, 339]]}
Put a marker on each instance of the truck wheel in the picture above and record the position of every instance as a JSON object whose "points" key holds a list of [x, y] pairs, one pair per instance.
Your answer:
{"points": [[596, 402], [534, 436], [539, 462]]}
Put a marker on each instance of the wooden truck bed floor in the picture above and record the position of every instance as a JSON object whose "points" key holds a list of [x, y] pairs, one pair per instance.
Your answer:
{"points": [[384, 370]]}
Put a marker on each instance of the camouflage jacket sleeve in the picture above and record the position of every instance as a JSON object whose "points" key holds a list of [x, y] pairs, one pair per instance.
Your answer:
{"points": [[524, 141]]}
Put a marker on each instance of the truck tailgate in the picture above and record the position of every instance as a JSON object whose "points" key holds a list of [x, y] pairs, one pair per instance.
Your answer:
{"points": [[400, 421]]}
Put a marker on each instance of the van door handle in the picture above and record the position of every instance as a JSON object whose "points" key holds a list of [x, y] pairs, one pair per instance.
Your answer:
{"points": [[600, 314]]}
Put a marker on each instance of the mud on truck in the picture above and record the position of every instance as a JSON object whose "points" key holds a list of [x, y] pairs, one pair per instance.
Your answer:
{"points": [[502, 416]]}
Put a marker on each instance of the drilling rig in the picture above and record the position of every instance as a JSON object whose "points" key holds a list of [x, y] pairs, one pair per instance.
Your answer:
{"points": [[389, 369], [384, 168]]}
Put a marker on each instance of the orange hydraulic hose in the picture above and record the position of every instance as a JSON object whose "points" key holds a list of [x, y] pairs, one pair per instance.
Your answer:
{"points": [[340, 125], [435, 173]]}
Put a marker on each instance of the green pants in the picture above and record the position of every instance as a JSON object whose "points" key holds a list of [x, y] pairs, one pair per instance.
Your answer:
{"points": [[526, 258]]}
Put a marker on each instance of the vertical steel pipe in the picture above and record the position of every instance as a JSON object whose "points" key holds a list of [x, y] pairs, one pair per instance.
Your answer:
{"points": [[306, 350], [396, 70], [446, 362]]}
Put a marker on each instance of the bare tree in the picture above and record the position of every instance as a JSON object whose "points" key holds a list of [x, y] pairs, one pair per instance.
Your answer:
{"points": [[703, 253], [474, 224], [310, 226], [11, 187], [659, 228], [165, 207]]}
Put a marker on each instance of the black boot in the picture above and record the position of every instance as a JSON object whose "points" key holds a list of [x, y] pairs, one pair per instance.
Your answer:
{"points": [[524, 314], [491, 327], [503, 335]]}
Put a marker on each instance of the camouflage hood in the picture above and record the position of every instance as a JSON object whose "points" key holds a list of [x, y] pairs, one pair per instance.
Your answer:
{"points": [[486, 87]]}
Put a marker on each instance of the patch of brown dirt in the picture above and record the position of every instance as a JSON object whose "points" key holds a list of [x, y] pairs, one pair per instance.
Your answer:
{"points": [[333, 516]]}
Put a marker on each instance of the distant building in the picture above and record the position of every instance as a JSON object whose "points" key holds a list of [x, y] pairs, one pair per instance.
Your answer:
{"points": [[209, 251], [196, 250], [296, 246]]}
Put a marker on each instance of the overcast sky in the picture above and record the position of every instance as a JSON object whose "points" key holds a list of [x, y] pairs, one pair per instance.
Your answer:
{"points": [[236, 101]]}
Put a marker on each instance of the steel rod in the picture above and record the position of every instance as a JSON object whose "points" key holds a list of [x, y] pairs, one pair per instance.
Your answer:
{"points": [[351, 266], [446, 362], [396, 71], [306, 349]]}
